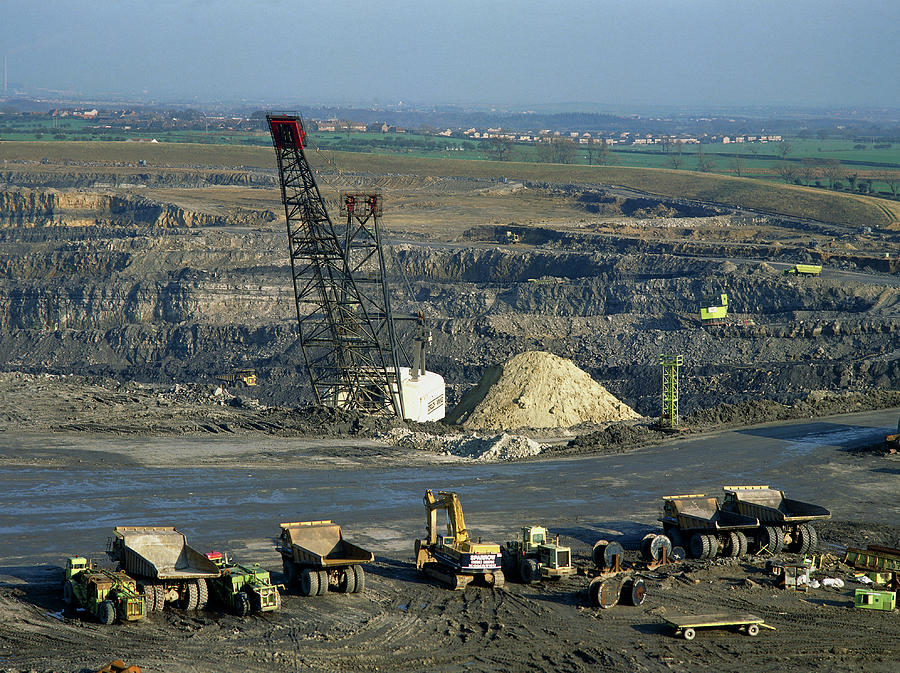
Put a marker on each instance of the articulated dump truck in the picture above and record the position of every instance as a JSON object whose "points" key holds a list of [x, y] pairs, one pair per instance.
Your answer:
{"points": [[167, 570], [785, 524]]}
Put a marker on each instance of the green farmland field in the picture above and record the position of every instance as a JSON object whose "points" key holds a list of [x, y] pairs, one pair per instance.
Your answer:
{"points": [[838, 207]]}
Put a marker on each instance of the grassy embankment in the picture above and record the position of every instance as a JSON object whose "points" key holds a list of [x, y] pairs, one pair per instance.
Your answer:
{"points": [[837, 207]]}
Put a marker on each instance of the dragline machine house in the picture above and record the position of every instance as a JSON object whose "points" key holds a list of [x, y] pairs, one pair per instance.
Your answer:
{"points": [[347, 336]]}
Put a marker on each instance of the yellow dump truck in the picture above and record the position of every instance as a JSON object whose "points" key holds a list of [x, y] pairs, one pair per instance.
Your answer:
{"points": [[166, 568], [714, 310], [316, 557], [804, 270]]}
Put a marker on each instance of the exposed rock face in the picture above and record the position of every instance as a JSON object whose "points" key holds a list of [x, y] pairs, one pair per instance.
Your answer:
{"points": [[53, 207], [537, 389]]}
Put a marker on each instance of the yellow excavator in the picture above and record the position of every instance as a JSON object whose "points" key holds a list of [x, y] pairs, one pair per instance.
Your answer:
{"points": [[454, 559]]}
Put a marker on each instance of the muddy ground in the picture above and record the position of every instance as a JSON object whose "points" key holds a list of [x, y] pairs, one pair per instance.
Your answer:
{"points": [[64, 492], [404, 622]]}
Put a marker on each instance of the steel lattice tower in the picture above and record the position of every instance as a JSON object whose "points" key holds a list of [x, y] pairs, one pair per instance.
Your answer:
{"points": [[671, 365], [340, 291]]}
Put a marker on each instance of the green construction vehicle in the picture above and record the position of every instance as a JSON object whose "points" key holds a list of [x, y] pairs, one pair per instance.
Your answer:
{"points": [[714, 310], [535, 556], [241, 588], [106, 594], [804, 270]]}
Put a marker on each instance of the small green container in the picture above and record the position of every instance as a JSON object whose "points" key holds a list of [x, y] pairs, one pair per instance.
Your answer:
{"points": [[876, 600]]}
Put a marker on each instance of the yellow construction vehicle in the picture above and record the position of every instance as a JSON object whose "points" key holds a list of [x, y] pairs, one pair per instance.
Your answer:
{"points": [[454, 559], [239, 378], [893, 441]]}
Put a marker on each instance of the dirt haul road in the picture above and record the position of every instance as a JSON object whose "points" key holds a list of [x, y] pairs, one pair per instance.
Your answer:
{"points": [[57, 502]]}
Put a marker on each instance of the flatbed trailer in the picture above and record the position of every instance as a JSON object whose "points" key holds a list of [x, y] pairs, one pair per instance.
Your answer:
{"points": [[686, 626]]}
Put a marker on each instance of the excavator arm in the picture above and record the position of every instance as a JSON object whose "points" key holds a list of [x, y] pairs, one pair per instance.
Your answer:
{"points": [[447, 501]]}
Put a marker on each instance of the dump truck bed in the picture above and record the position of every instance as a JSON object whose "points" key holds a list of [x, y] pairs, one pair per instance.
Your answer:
{"points": [[702, 513], [320, 543], [159, 552], [770, 506]]}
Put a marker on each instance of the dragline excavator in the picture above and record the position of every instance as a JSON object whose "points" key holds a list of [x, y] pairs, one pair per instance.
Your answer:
{"points": [[454, 559], [343, 303]]}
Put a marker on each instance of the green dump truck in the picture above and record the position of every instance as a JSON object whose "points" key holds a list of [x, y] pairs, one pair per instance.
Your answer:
{"points": [[536, 556], [242, 588], [316, 557], [106, 594], [785, 524], [167, 570]]}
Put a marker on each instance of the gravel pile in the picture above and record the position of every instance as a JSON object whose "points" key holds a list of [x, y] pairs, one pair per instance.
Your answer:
{"points": [[537, 389], [486, 449]]}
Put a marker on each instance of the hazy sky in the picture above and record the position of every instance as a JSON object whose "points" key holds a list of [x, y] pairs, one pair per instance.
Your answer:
{"points": [[524, 53]]}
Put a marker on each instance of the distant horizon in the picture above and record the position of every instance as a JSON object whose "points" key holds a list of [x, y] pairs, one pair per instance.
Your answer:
{"points": [[703, 54], [112, 99]]}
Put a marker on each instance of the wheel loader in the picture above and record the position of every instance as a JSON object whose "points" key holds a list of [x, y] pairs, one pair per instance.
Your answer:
{"points": [[106, 594], [242, 588], [536, 556], [454, 559]]}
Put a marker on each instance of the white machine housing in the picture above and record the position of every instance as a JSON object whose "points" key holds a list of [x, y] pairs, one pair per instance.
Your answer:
{"points": [[424, 397]]}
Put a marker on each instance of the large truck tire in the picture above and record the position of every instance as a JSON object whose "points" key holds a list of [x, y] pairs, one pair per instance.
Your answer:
{"points": [[771, 538], [529, 571], [807, 539], [149, 598], [700, 547], [202, 594], [323, 583], [360, 579], [309, 582], [241, 604], [160, 597], [106, 612], [347, 584], [190, 596], [733, 545]]}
